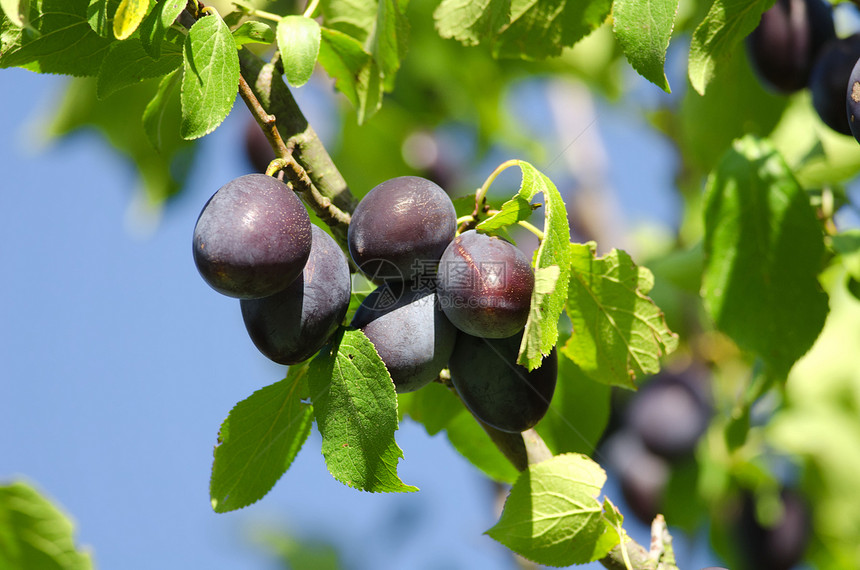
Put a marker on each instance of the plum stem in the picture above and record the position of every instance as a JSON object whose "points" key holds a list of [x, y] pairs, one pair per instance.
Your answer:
{"points": [[481, 194]]}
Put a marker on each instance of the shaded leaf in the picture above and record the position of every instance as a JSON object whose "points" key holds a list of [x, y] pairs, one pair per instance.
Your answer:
{"points": [[156, 110], [61, 40], [154, 28], [542, 28], [354, 71], [715, 38], [258, 441], [471, 22], [619, 334], [763, 250], [128, 63]]}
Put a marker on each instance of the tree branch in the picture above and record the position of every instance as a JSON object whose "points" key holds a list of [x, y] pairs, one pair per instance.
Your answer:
{"points": [[306, 163]]}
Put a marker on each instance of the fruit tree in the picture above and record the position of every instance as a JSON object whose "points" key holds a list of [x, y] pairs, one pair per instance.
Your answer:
{"points": [[435, 263]]}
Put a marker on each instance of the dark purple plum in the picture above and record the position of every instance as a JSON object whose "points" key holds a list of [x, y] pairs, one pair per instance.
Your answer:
{"points": [[670, 413], [292, 325], [400, 229], [642, 475], [787, 40], [829, 81], [258, 151], [485, 285], [409, 331], [777, 547], [252, 238], [496, 389], [852, 101]]}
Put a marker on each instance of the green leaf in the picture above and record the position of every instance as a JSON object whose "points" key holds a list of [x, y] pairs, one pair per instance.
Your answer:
{"points": [[552, 515], [578, 412], [514, 210], [129, 15], [128, 63], [299, 43], [156, 110], [356, 411], [100, 14], [763, 251], [618, 334], [258, 441], [471, 22], [472, 442], [211, 77], [644, 28], [715, 38], [16, 11], [433, 406], [155, 27], [60, 41], [353, 69], [552, 262], [542, 28], [258, 33], [36, 534], [380, 27]]}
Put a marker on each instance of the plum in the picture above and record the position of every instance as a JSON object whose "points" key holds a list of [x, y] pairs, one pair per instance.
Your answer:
{"points": [[292, 325], [400, 229], [787, 40], [411, 334], [496, 389], [829, 81], [252, 238], [485, 285]]}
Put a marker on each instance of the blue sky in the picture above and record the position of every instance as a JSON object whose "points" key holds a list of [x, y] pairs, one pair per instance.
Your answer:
{"points": [[118, 364]]}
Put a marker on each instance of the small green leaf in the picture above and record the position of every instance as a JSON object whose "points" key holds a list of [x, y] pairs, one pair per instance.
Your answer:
{"points": [[16, 11], [433, 406], [551, 263], [355, 72], [155, 112], [356, 411], [299, 43], [129, 15], [211, 77], [552, 515], [128, 63], [763, 250], [541, 29], [258, 441], [619, 333], [715, 38], [60, 41], [644, 28], [156, 25], [255, 33], [847, 246], [471, 22], [36, 534]]}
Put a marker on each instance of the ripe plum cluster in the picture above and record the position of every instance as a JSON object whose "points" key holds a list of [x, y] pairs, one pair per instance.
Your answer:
{"points": [[441, 299], [795, 46]]}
